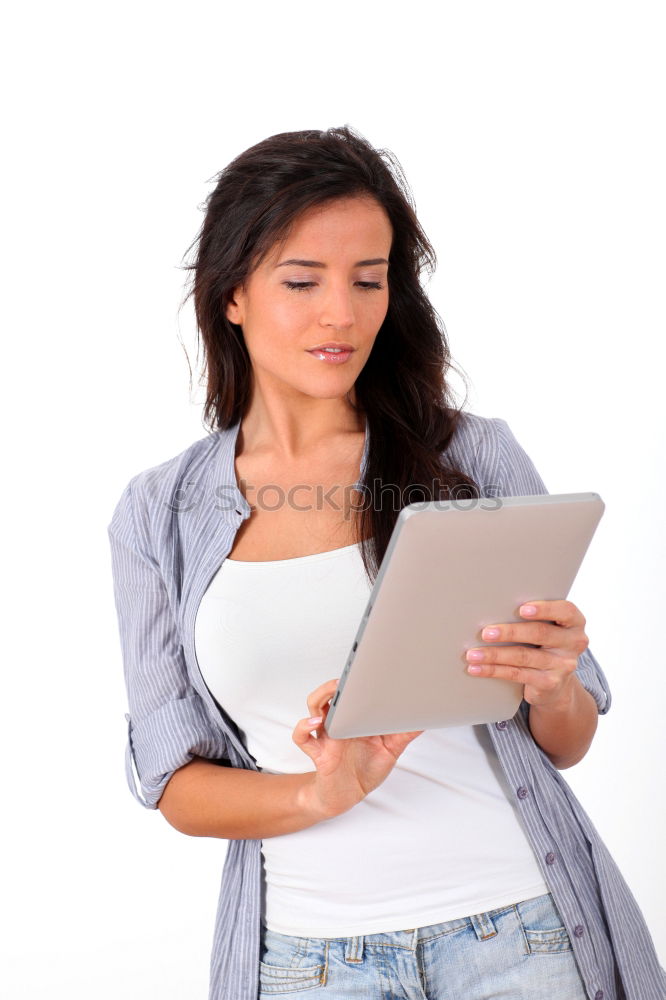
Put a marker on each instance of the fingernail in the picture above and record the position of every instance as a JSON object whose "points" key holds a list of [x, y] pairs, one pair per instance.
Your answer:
{"points": [[315, 720], [528, 609], [474, 670]]}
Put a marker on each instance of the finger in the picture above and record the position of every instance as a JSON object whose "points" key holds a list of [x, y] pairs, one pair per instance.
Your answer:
{"points": [[525, 657], [564, 613], [539, 633], [319, 698], [547, 677], [519, 656]]}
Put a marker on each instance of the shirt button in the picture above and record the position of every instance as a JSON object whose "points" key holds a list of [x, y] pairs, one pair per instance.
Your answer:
{"points": [[550, 858], [500, 725], [599, 995], [579, 930], [522, 792]]}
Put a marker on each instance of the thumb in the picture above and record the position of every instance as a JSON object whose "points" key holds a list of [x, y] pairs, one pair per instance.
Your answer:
{"points": [[303, 738], [397, 742]]}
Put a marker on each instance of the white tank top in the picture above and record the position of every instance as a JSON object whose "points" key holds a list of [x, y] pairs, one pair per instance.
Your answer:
{"points": [[438, 840]]}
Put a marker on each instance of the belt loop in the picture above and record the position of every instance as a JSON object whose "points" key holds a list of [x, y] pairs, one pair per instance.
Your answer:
{"points": [[354, 949], [483, 926]]}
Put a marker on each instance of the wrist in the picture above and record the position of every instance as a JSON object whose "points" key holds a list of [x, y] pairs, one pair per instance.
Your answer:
{"points": [[309, 802], [564, 703], [565, 730]]}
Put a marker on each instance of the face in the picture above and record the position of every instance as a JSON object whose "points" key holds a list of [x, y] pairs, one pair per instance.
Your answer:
{"points": [[326, 283]]}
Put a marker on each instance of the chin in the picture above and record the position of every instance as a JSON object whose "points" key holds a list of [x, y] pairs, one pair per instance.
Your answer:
{"points": [[341, 393]]}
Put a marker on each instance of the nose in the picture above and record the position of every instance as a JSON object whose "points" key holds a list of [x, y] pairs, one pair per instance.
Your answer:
{"points": [[337, 307]]}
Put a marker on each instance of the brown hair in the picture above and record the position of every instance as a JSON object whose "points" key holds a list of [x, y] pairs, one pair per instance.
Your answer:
{"points": [[402, 389]]}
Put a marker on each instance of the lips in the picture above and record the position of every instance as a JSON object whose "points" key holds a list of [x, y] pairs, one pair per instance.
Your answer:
{"points": [[334, 344], [338, 356]]}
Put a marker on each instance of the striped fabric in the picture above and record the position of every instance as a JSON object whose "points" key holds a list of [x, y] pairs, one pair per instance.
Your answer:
{"points": [[170, 531]]}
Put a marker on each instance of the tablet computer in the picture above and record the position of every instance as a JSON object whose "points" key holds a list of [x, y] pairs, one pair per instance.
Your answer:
{"points": [[451, 568]]}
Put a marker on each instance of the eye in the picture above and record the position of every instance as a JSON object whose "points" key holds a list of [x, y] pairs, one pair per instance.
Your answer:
{"points": [[303, 286]]}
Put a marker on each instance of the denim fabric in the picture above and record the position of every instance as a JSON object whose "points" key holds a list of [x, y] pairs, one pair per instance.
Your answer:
{"points": [[518, 952]]}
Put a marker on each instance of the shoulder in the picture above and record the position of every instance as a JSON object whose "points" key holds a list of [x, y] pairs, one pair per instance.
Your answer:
{"points": [[157, 483], [151, 491], [487, 449], [475, 445]]}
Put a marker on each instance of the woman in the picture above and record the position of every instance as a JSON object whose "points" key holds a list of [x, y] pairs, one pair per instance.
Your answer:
{"points": [[446, 863]]}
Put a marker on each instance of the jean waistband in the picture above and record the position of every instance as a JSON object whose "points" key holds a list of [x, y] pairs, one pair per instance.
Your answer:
{"points": [[482, 924]]}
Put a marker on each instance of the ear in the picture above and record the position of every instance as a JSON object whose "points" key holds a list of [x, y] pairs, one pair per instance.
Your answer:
{"points": [[233, 309]]}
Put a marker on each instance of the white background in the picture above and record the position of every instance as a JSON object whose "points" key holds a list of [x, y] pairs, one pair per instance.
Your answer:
{"points": [[532, 135]]}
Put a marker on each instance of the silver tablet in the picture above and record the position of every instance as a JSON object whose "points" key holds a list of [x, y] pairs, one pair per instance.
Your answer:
{"points": [[450, 568]]}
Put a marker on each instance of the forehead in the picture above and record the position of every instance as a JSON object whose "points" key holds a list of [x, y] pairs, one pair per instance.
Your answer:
{"points": [[357, 227]]}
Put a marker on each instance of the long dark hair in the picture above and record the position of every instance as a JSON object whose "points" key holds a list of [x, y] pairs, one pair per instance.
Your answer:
{"points": [[402, 389]]}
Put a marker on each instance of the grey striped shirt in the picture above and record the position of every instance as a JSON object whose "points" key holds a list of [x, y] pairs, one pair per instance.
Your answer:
{"points": [[170, 531]]}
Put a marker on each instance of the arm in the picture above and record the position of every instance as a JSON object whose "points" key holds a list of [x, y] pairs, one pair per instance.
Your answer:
{"points": [[203, 799], [565, 731], [168, 724]]}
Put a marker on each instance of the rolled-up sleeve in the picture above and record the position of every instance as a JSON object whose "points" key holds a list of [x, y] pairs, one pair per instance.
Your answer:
{"points": [[519, 477], [167, 723]]}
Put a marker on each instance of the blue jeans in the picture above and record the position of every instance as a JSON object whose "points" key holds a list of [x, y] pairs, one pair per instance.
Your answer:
{"points": [[518, 952]]}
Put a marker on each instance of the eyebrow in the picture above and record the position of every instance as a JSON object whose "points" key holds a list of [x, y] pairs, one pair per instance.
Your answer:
{"points": [[317, 263]]}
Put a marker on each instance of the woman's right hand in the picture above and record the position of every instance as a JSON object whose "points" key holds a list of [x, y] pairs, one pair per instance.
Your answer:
{"points": [[349, 769]]}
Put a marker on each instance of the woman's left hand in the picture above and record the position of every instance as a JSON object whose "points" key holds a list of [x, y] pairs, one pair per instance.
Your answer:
{"points": [[558, 629]]}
